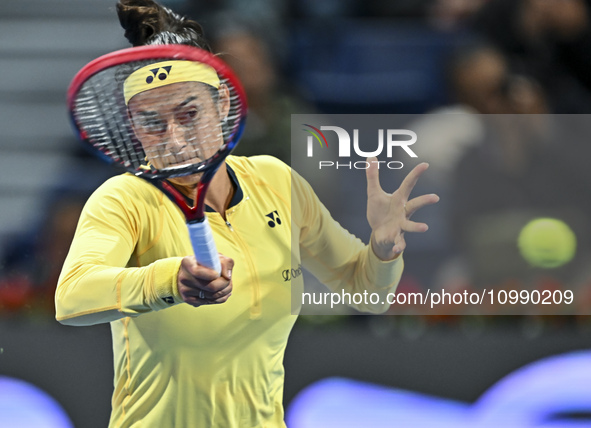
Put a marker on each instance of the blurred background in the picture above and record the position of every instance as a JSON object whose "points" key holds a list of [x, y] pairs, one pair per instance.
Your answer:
{"points": [[428, 58]]}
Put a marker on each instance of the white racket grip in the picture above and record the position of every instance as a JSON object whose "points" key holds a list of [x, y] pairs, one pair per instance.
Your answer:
{"points": [[206, 253]]}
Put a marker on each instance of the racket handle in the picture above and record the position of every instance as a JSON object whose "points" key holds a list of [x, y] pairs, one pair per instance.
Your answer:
{"points": [[204, 247]]}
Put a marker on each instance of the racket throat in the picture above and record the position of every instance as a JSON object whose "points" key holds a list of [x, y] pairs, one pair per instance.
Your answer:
{"points": [[194, 213], [199, 208]]}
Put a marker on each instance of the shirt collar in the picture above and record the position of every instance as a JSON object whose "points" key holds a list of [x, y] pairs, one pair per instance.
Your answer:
{"points": [[238, 193]]}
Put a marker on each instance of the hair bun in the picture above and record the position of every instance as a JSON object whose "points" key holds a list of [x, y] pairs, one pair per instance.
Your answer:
{"points": [[148, 23]]}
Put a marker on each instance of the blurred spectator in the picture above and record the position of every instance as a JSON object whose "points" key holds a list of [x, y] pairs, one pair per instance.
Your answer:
{"points": [[32, 264], [480, 83], [450, 15], [266, 17], [271, 100], [478, 78], [481, 78], [549, 40]]}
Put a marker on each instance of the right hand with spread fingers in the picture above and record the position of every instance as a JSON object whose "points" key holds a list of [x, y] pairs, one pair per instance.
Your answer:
{"points": [[199, 285]]}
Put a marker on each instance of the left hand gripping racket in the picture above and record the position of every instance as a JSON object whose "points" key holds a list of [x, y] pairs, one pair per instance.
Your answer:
{"points": [[161, 112]]}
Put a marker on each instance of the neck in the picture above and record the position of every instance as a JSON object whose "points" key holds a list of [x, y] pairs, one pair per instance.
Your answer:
{"points": [[220, 192]]}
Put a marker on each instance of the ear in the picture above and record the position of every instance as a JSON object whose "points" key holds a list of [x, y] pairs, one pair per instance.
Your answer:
{"points": [[223, 101]]}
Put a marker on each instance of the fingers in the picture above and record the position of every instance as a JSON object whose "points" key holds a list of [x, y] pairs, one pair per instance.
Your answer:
{"points": [[192, 269], [199, 297], [411, 179], [199, 285], [195, 274], [407, 185], [196, 301], [227, 266], [414, 227], [222, 288], [419, 202], [373, 176]]}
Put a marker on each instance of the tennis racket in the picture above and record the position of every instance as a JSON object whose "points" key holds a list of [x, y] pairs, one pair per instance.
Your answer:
{"points": [[162, 112]]}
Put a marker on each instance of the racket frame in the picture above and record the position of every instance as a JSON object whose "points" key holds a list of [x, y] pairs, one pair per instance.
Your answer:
{"points": [[158, 53]]}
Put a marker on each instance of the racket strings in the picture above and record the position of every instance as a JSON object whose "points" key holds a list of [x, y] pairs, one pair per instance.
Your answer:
{"points": [[111, 128], [171, 130], [98, 113]]}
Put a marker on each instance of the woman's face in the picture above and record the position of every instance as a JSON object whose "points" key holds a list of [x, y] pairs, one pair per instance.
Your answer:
{"points": [[179, 124]]}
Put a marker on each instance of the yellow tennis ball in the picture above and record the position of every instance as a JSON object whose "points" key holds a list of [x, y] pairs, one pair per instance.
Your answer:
{"points": [[547, 243]]}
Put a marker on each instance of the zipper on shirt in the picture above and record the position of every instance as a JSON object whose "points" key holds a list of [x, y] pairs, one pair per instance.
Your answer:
{"points": [[256, 307]]}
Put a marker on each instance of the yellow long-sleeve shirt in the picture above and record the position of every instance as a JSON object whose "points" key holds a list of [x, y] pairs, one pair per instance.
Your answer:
{"points": [[219, 365]]}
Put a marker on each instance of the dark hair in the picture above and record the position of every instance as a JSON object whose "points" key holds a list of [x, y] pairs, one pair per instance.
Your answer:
{"points": [[148, 23]]}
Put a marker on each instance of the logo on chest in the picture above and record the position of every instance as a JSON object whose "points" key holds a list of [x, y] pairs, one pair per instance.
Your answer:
{"points": [[275, 220], [289, 274]]}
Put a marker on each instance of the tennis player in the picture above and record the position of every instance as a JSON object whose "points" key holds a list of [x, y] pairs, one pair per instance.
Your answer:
{"points": [[193, 348]]}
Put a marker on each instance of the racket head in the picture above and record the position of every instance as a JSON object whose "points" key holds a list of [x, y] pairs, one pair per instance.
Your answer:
{"points": [[159, 111]]}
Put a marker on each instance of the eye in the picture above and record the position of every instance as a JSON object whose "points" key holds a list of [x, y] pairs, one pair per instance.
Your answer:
{"points": [[151, 125], [188, 116]]}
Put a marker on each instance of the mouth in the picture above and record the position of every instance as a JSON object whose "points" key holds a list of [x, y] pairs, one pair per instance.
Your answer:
{"points": [[182, 159], [182, 163]]}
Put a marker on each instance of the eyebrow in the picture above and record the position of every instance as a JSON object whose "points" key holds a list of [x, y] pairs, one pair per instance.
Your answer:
{"points": [[187, 101], [146, 113]]}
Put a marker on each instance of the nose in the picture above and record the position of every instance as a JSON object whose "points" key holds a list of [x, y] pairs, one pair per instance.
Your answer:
{"points": [[174, 138]]}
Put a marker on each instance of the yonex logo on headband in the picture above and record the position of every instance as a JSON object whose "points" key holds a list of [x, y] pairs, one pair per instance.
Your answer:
{"points": [[166, 73], [161, 76]]}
